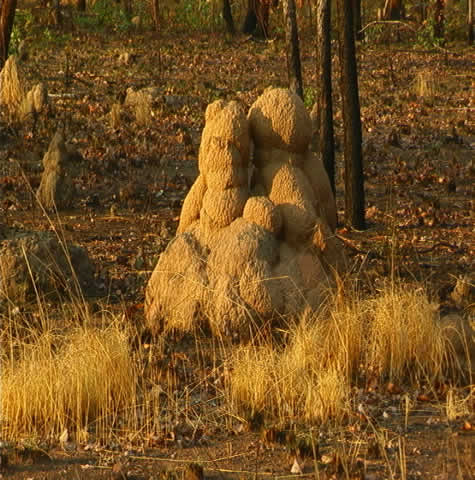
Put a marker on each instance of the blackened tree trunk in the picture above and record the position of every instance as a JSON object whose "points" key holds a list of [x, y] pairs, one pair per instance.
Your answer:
{"points": [[128, 8], [393, 10], [356, 4], [250, 22], [470, 22], [292, 48], [7, 17], [439, 18], [257, 18], [325, 105], [228, 17], [354, 180]]}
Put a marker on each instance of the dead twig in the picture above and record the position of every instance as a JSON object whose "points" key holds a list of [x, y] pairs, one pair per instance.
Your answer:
{"points": [[437, 245], [388, 22], [356, 249]]}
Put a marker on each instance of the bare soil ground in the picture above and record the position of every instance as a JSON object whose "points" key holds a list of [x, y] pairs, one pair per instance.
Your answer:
{"points": [[419, 150]]}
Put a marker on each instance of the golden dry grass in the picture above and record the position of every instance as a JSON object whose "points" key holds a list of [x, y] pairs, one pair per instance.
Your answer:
{"points": [[88, 379], [12, 92], [426, 86], [394, 336], [143, 109], [115, 115], [84, 381], [404, 336]]}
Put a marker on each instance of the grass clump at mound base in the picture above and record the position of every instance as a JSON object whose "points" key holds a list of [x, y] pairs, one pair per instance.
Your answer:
{"points": [[394, 336]]}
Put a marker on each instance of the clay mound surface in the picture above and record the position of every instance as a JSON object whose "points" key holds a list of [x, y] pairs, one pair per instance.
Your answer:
{"points": [[255, 241], [56, 190], [278, 119], [37, 263]]}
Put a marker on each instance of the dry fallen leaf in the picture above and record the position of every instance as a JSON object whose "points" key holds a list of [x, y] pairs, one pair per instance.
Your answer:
{"points": [[423, 398], [467, 426], [393, 388]]}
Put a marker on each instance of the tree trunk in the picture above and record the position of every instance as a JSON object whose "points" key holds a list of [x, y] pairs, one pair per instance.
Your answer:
{"points": [[7, 16], [294, 69], [422, 12], [470, 22], [325, 104], [393, 10], [155, 5], [439, 18], [81, 5], [257, 18], [356, 4], [57, 12], [228, 17], [354, 180], [128, 9], [250, 21]]}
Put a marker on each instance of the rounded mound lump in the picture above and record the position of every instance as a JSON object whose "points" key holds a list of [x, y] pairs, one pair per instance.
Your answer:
{"points": [[279, 119], [250, 249]]}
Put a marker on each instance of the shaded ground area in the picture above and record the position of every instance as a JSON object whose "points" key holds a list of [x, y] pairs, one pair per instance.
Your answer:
{"points": [[427, 449]]}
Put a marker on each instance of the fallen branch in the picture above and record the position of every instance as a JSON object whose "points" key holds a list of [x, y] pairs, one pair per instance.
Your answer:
{"points": [[356, 249], [388, 22], [437, 245]]}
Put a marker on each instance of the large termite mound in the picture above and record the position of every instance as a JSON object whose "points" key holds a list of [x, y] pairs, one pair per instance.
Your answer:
{"points": [[255, 240]]}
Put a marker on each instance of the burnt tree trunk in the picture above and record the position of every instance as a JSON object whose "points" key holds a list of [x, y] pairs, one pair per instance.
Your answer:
{"points": [[128, 9], [470, 22], [250, 22], [393, 10], [7, 17], [356, 4], [325, 104], [228, 17], [257, 18], [439, 18], [292, 48], [354, 180]]}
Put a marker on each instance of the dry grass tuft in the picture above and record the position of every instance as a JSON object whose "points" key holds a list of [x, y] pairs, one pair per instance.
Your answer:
{"points": [[308, 379], [404, 337], [82, 382], [12, 92], [143, 109], [395, 335], [115, 115], [426, 85]]}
